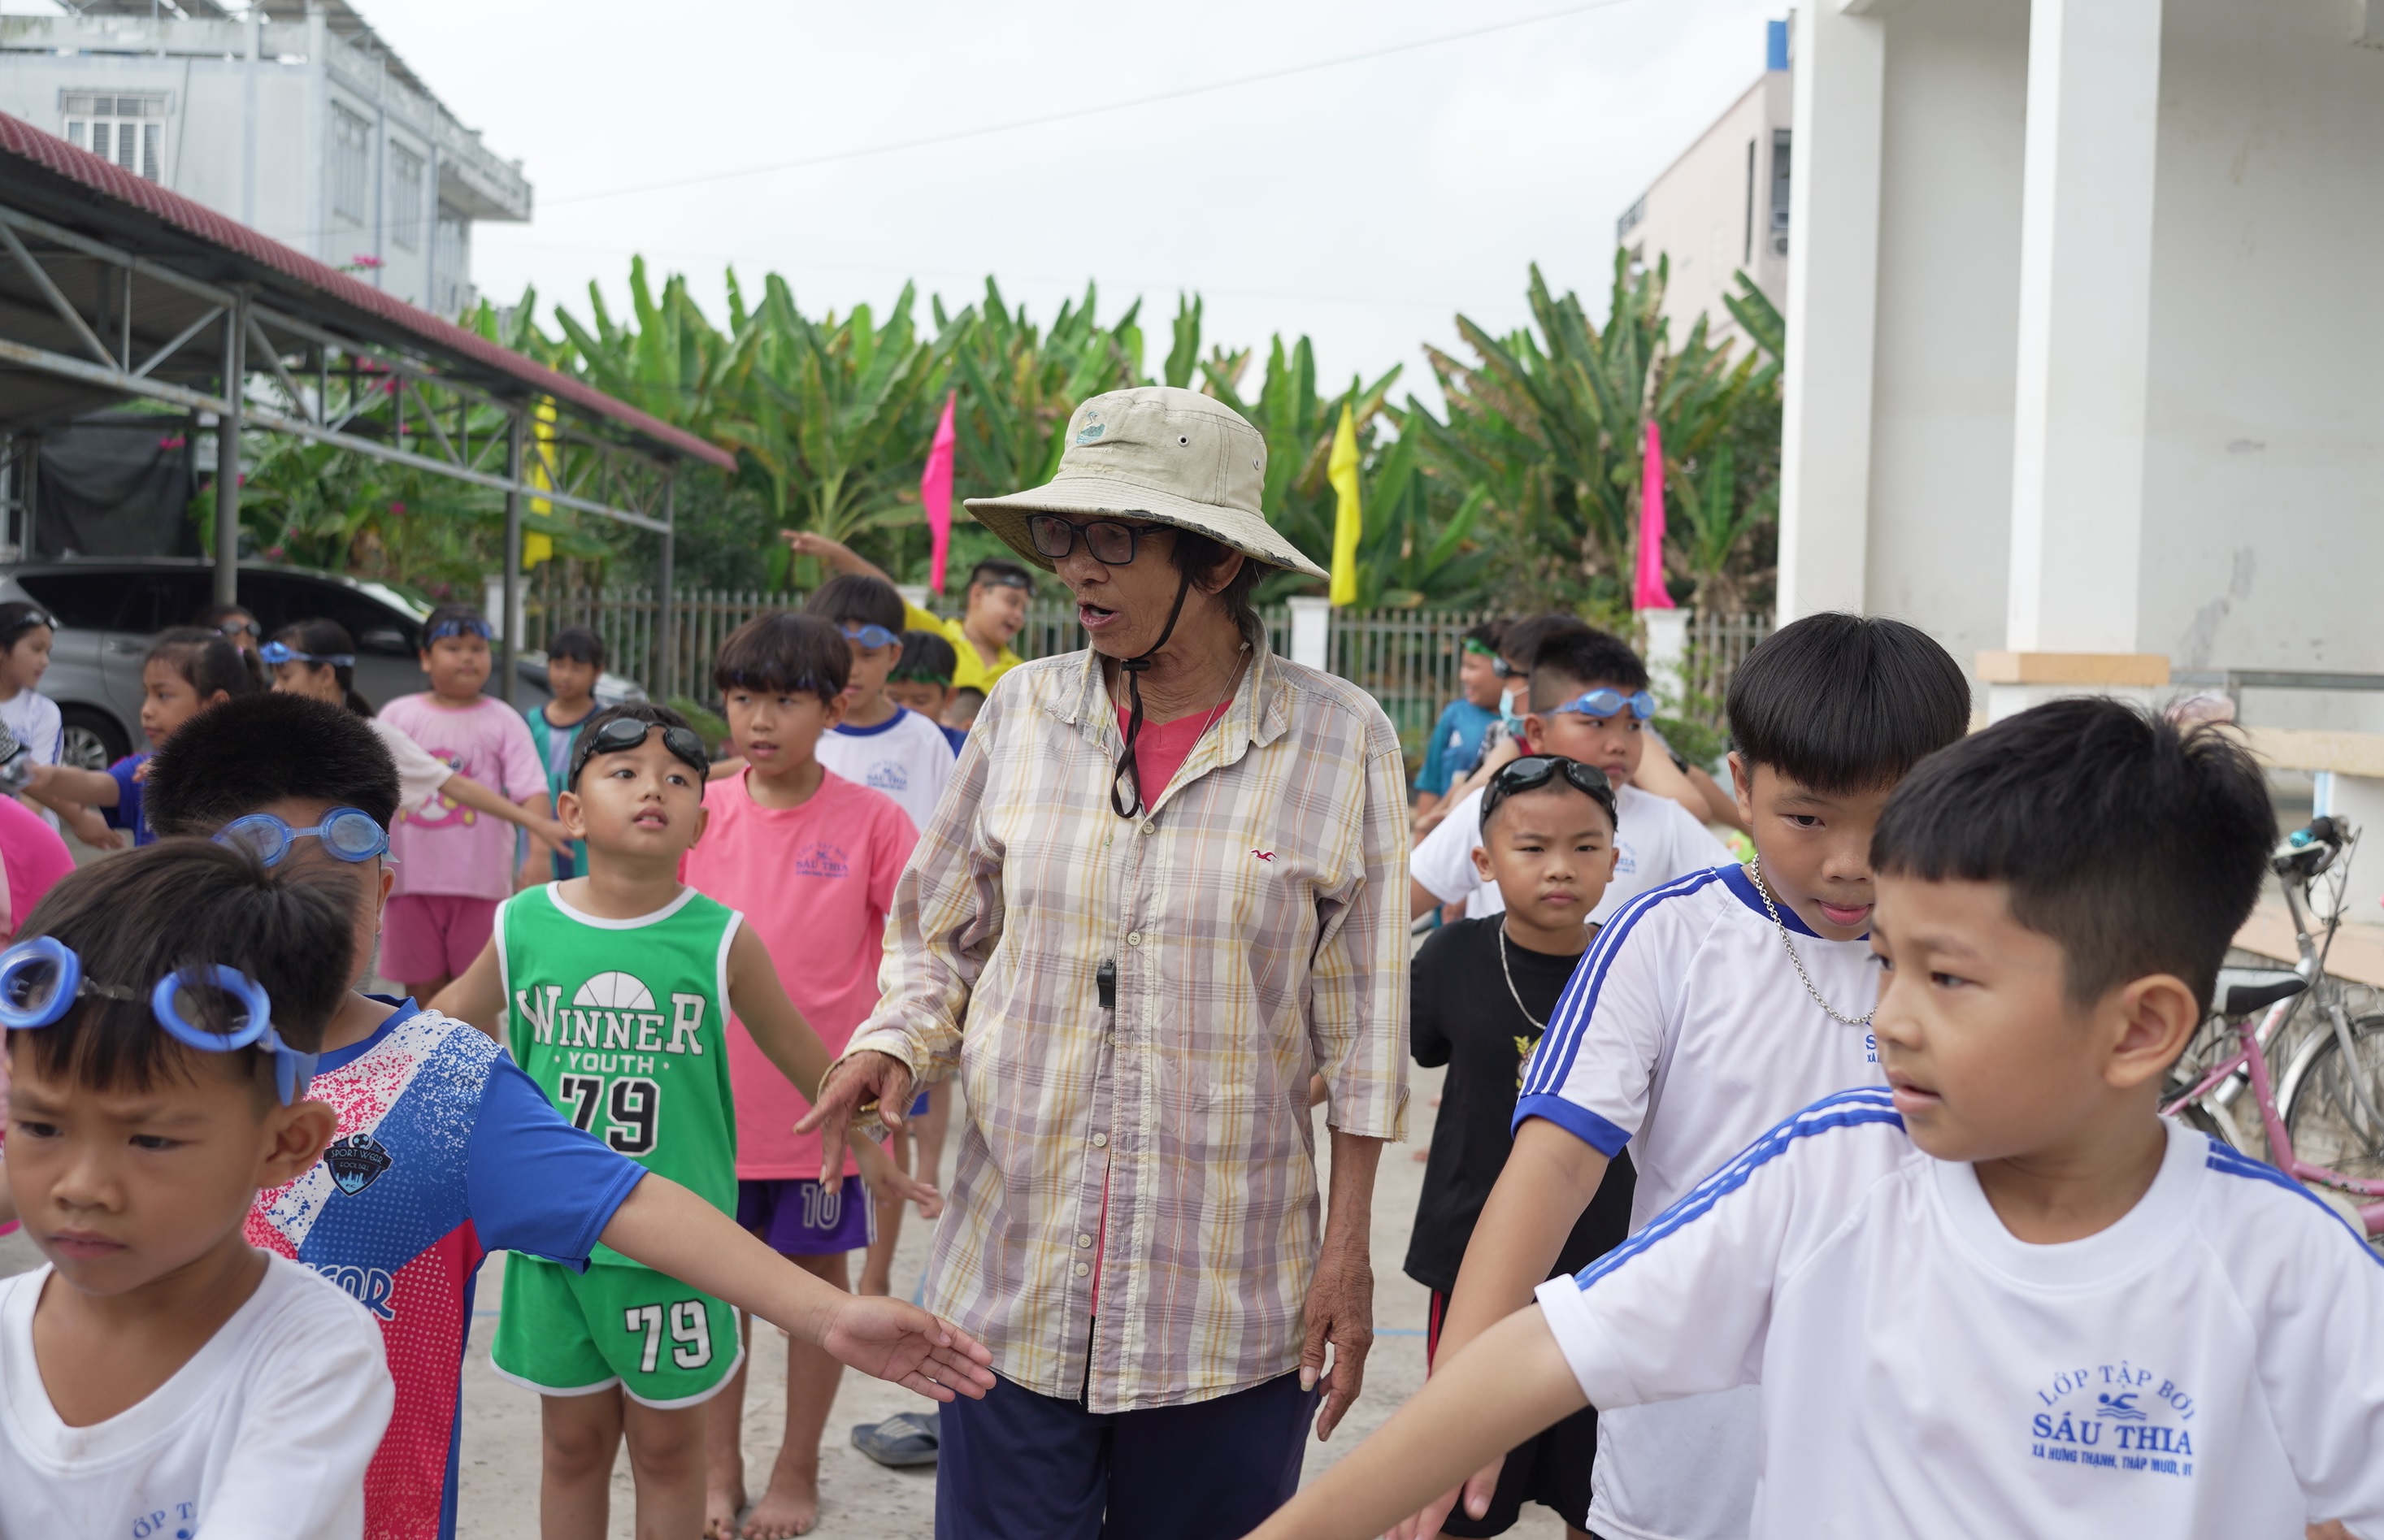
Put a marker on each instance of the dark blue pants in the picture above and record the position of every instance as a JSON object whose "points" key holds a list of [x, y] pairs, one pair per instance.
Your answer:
{"points": [[1020, 1466]]}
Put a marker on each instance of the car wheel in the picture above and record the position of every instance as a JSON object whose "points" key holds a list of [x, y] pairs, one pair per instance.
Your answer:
{"points": [[92, 739]]}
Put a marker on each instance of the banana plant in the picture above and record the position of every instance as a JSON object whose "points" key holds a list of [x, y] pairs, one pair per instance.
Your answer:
{"points": [[1019, 384]]}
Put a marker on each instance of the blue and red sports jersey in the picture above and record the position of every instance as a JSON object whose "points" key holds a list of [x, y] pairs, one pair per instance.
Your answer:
{"points": [[445, 1152]]}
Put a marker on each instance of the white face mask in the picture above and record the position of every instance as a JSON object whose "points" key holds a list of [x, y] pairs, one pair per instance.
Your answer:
{"points": [[1507, 712]]}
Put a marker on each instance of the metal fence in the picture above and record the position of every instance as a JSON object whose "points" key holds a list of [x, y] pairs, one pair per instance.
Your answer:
{"points": [[1405, 659]]}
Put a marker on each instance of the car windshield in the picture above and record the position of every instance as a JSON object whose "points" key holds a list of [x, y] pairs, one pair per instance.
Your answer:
{"points": [[413, 608]]}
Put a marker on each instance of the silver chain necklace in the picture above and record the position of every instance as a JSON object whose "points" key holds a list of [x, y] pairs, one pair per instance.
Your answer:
{"points": [[1756, 865], [1538, 1024]]}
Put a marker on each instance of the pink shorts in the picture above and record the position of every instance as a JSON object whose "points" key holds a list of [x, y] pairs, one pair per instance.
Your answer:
{"points": [[427, 935]]}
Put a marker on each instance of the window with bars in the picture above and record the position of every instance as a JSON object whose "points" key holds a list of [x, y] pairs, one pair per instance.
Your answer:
{"points": [[128, 129], [351, 163], [404, 198]]}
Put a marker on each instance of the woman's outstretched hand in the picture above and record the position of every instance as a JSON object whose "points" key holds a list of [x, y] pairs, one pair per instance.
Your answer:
{"points": [[850, 1086], [898, 1341]]}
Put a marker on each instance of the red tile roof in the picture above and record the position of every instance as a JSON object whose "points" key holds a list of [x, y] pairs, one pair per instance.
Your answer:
{"points": [[22, 143]]}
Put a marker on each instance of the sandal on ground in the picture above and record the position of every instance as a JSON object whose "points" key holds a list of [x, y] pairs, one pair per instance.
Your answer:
{"points": [[905, 1439]]}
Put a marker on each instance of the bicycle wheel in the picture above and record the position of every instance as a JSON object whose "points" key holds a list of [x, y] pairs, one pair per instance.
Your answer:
{"points": [[2327, 1124]]}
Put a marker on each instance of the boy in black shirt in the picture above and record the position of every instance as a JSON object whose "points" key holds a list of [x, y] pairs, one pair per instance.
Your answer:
{"points": [[1483, 993]]}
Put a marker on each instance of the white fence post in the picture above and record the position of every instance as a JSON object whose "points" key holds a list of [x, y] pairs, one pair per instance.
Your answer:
{"points": [[1311, 629], [1668, 654]]}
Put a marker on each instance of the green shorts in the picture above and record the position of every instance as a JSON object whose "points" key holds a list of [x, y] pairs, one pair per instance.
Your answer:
{"points": [[573, 1334]]}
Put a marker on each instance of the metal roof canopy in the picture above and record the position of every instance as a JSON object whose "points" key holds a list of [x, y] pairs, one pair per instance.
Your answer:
{"points": [[112, 287]]}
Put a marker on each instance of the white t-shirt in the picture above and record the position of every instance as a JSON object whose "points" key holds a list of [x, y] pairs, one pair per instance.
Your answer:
{"points": [[2206, 1369], [1685, 1033], [33, 718], [419, 772], [264, 1435], [1658, 840], [906, 756]]}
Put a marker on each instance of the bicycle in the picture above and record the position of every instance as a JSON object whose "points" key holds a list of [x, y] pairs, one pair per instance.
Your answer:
{"points": [[2326, 1104]]}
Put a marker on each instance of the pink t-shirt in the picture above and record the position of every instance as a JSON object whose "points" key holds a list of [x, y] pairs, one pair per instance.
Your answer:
{"points": [[815, 883], [441, 846], [35, 857]]}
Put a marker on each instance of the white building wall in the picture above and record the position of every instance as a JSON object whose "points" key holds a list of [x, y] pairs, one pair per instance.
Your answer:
{"points": [[1699, 214], [2264, 474], [1940, 515], [2263, 503]]}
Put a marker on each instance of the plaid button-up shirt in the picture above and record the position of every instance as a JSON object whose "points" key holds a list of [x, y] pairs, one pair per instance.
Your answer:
{"points": [[1256, 914]]}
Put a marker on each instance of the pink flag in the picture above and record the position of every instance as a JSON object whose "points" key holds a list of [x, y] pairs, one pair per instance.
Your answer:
{"points": [[1648, 592], [935, 495]]}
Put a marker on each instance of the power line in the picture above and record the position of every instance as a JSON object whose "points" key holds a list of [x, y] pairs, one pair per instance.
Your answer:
{"points": [[1073, 114]]}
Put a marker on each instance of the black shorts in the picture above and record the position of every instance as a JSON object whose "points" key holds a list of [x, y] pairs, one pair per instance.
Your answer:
{"points": [[1550, 1469]]}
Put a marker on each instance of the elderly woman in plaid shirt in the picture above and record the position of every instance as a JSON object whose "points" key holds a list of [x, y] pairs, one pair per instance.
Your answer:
{"points": [[1166, 886]]}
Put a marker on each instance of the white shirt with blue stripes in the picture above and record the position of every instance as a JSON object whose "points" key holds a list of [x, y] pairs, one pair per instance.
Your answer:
{"points": [[2210, 1366], [1685, 1033]]}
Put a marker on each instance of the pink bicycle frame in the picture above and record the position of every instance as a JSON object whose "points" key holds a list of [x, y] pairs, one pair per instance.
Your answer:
{"points": [[2252, 1059]]}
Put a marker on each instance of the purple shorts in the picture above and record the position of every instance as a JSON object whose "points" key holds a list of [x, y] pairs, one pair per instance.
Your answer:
{"points": [[796, 1217]]}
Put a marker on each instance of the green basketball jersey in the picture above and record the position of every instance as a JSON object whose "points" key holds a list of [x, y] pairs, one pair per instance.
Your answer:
{"points": [[624, 1024]]}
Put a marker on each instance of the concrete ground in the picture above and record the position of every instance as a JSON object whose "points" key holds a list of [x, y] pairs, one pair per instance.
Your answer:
{"points": [[860, 1500]]}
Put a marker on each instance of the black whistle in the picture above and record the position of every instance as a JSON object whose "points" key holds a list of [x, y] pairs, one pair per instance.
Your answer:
{"points": [[1105, 980]]}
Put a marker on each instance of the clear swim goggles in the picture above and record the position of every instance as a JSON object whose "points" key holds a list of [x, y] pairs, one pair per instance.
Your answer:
{"points": [[1608, 703], [41, 980], [870, 637], [276, 653], [349, 834]]}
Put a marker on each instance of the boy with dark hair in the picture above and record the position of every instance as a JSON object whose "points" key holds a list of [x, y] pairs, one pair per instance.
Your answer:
{"points": [[960, 716], [809, 860], [922, 681], [613, 992], [879, 744], [1706, 1011], [161, 1375], [993, 607], [1456, 741], [1999, 1292], [443, 1150], [1484, 991], [1588, 702], [575, 658], [454, 867]]}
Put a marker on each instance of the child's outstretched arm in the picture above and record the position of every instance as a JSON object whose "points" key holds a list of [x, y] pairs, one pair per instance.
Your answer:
{"points": [[529, 814], [679, 1235], [780, 1032], [1509, 1385], [479, 997]]}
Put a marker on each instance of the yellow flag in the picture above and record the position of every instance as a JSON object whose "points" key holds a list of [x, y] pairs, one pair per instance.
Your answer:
{"points": [[537, 546], [1347, 519]]}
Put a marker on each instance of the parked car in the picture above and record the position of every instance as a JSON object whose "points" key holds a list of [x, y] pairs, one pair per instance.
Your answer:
{"points": [[109, 608]]}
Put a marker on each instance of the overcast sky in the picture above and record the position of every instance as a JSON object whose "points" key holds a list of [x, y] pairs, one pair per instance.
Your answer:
{"points": [[1363, 204]]}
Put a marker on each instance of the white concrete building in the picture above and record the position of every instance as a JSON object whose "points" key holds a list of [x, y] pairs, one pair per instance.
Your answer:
{"points": [[1722, 207], [2080, 375], [291, 117]]}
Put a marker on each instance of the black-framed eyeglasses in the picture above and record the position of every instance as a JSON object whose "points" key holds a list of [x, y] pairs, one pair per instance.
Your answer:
{"points": [[1106, 541], [1535, 771], [624, 733]]}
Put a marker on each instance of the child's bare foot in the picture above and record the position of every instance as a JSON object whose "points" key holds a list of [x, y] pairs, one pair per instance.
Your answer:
{"points": [[723, 1499], [790, 1507]]}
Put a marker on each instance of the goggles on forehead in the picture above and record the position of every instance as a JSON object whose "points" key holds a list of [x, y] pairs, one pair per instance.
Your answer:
{"points": [[41, 980], [1480, 649], [349, 834], [1533, 771], [276, 653], [1608, 703], [871, 637], [459, 625], [624, 733], [999, 580]]}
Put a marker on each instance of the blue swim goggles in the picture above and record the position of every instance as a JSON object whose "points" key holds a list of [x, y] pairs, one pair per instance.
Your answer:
{"points": [[459, 625], [1608, 703], [41, 980], [871, 637], [276, 653], [348, 833]]}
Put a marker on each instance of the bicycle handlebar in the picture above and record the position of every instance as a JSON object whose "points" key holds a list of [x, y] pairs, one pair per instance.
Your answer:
{"points": [[2312, 847]]}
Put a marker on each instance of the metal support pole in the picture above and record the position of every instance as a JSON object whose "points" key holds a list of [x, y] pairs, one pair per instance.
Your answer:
{"points": [[513, 585], [666, 617], [228, 452]]}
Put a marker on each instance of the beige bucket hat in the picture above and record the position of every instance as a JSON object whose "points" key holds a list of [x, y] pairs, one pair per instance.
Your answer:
{"points": [[1156, 453]]}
